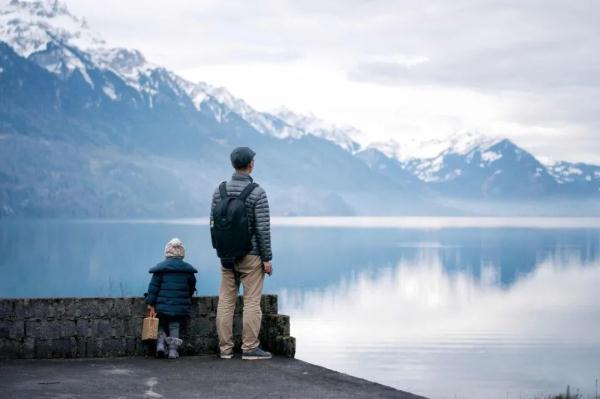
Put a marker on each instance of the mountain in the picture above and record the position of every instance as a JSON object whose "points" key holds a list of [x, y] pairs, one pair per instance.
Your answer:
{"points": [[392, 169], [90, 130], [496, 169], [578, 178], [472, 165], [310, 124]]}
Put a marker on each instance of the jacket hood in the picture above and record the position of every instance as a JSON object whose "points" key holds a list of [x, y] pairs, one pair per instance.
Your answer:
{"points": [[173, 265]]}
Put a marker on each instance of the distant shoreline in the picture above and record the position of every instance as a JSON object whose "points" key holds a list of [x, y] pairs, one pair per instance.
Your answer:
{"points": [[384, 222]]}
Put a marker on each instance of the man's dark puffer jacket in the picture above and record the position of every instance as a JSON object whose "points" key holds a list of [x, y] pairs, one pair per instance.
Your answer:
{"points": [[171, 288], [257, 209]]}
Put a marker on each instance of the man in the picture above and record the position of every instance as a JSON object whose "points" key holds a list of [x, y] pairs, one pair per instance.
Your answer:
{"points": [[249, 270]]}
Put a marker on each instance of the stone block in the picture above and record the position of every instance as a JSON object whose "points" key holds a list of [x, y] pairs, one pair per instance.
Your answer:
{"points": [[37, 308], [139, 308], [29, 347], [5, 328], [101, 328], [118, 327], [285, 345], [65, 308], [81, 346], [122, 308], [268, 304], [105, 307], [94, 347], [33, 328], [202, 327], [133, 326], [201, 345], [6, 308], [51, 329], [114, 347], [130, 343], [19, 306], [10, 348], [61, 347], [202, 306], [68, 328], [87, 307], [43, 348], [83, 327], [274, 325], [17, 330]]}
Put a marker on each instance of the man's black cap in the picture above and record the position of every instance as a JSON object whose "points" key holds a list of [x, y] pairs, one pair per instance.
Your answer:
{"points": [[241, 157]]}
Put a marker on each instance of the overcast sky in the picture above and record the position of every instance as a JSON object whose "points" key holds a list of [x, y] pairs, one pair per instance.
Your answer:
{"points": [[527, 70]]}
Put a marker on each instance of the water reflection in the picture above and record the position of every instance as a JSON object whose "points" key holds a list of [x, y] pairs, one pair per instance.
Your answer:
{"points": [[419, 328], [439, 306]]}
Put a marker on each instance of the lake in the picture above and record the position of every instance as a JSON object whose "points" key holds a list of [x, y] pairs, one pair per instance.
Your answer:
{"points": [[443, 307]]}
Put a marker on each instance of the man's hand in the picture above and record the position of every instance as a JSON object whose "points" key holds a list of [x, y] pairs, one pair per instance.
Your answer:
{"points": [[268, 267], [151, 311]]}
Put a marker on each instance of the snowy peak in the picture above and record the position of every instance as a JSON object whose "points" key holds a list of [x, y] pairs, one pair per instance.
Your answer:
{"points": [[47, 33], [28, 26], [413, 148], [47, 9], [310, 124], [474, 155], [576, 173]]}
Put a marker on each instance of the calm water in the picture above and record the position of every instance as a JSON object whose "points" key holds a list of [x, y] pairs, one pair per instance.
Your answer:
{"points": [[447, 308]]}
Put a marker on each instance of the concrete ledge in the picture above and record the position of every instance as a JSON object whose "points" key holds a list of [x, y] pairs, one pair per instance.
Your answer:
{"points": [[186, 377], [107, 327]]}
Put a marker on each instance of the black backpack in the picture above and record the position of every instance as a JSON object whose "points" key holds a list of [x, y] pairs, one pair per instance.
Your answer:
{"points": [[229, 229]]}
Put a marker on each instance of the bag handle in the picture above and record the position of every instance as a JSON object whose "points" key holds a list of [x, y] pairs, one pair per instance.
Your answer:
{"points": [[223, 190]]}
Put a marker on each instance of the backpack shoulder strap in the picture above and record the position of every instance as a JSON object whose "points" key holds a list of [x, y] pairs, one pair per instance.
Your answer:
{"points": [[223, 190], [246, 191]]}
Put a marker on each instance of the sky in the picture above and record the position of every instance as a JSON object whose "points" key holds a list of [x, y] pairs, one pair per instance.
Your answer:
{"points": [[402, 70]]}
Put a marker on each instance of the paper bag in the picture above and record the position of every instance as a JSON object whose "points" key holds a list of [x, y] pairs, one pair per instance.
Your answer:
{"points": [[149, 328]]}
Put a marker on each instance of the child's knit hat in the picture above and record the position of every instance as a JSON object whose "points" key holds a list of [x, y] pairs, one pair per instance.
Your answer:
{"points": [[175, 249]]}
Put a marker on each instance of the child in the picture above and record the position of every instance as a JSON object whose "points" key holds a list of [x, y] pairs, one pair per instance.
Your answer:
{"points": [[170, 296]]}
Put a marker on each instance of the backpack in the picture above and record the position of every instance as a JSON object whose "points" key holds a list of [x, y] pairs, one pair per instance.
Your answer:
{"points": [[229, 229]]}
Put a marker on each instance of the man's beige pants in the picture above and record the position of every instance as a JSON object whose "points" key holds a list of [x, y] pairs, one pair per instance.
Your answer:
{"points": [[252, 276]]}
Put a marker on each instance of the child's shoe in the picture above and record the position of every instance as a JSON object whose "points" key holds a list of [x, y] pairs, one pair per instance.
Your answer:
{"points": [[174, 344], [160, 344]]}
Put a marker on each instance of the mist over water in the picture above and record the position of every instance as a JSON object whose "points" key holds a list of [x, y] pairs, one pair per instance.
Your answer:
{"points": [[472, 309]]}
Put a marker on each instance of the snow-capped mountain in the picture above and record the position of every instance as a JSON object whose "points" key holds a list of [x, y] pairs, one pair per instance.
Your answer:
{"points": [[472, 164], [578, 177], [391, 168], [63, 43], [310, 124], [87, 129], [92, 130], [414, 148], [487, 168]]}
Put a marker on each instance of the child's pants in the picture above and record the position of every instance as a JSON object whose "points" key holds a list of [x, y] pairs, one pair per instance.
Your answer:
{"points": [[172, 325]]}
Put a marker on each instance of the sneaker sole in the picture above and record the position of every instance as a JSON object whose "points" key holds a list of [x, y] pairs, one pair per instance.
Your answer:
{"points": [[256, 357], [226, 356]]}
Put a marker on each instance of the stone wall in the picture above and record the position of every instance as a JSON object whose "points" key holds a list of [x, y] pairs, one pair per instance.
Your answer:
{"points": [[105, 327]]}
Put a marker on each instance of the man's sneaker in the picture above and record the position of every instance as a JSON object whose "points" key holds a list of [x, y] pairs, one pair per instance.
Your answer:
{"points": [[226, 355], [256, 354]]}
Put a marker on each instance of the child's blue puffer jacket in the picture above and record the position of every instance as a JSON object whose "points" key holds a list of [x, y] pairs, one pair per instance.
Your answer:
{"points": [[171, 288]]}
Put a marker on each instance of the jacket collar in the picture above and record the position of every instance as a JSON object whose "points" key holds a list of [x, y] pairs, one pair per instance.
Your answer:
{"points": [[241, 177], [174, 265]]}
